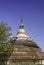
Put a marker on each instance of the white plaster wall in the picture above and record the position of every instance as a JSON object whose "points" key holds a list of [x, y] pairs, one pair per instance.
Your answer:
{"points": [[42, 61]]}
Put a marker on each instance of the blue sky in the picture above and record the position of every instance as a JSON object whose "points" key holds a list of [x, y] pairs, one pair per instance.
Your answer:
{"points": [[32, 12]]}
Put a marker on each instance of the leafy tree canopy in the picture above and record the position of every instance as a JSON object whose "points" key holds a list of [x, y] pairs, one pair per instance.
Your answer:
{"points": [[5, 34]]}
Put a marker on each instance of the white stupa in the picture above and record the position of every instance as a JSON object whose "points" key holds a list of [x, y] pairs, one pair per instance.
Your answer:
{"points": [[21, 34]]}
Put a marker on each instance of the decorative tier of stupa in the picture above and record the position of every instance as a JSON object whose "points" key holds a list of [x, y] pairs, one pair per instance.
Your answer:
{"points": [[25, 50]]}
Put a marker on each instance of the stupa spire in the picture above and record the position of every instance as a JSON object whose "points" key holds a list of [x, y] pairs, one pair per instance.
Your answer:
{"points": [[21, 24], [21, 34]]}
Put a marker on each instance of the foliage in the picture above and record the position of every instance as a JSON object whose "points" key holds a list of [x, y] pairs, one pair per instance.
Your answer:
{"points": [[4, 32], [4, 36], [5, 43]]}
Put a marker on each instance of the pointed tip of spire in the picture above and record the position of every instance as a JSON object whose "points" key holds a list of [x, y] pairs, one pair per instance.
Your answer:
{"points": [[21, 19], [21, 22]]}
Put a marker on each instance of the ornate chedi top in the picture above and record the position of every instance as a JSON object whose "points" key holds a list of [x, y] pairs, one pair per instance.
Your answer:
{"points": [[22, 38], [21, 34]]}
